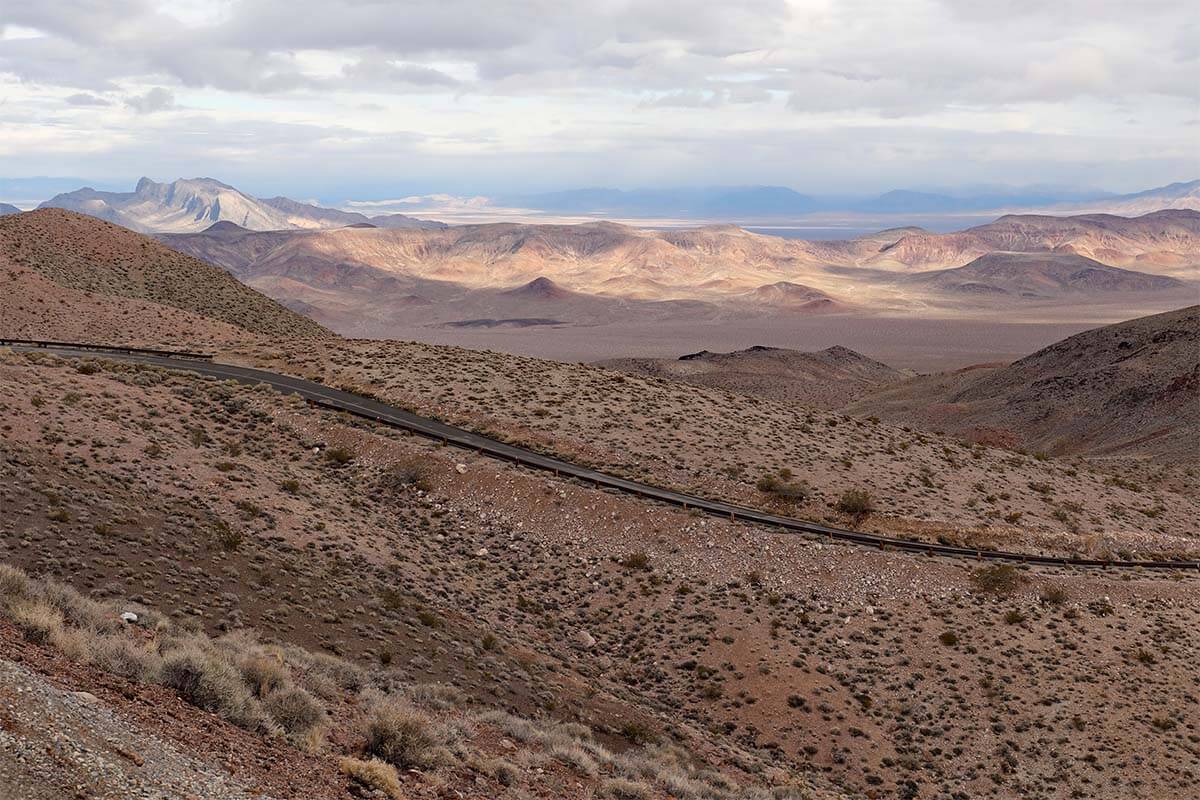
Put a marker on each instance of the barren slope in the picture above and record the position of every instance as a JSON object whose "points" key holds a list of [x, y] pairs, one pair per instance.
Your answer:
{"points": [[59, 263], [1130, 389]]}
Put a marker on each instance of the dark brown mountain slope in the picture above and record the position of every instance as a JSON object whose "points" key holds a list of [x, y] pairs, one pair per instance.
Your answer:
{"points": [[55, 261], [1130, 389]]}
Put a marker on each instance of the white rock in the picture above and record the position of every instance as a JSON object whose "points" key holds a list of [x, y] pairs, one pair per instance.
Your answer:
{"points": [[129, 616], [481, 552], [461, 469], [584, 640]]}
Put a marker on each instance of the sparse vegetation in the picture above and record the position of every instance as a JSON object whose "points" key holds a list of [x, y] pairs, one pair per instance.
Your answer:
{"points": [[856, 503]]}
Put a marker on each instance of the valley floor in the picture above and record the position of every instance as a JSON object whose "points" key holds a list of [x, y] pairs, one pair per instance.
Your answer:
{"points": [[923, 345]]}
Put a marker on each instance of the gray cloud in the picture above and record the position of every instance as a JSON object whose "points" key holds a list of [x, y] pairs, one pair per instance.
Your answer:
{"points": [[157, 99], [85, 99], [494, 80]]}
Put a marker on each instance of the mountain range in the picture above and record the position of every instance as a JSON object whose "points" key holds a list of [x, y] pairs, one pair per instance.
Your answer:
{"points": [[764, 202], [191, 203], [197, 203], [364, 280]]}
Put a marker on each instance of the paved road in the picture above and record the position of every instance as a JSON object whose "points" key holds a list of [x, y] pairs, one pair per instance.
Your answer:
{"points": [[367, 408]]}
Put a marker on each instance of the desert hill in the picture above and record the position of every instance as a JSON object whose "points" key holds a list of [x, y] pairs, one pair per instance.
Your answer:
{"points": [[1163, 242], [1182, 195], [828, 378], [1130, 389], [59, 264], [1040, 275], [197, 203], [6, 209]]}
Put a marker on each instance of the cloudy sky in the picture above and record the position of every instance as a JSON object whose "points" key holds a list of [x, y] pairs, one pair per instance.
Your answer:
{"points": [[362, 98]]}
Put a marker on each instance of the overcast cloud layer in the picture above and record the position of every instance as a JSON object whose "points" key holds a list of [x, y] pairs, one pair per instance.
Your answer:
{"points": [[362, 97]]}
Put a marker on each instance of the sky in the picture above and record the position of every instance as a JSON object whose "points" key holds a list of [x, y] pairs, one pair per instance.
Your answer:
{"points": [[367, 98]]}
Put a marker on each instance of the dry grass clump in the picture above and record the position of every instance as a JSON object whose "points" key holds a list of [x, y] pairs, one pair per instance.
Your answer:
{"points": [[296, 711], [403, 735], [209, 682], [234, 677], [373, 774], [37, 621]]}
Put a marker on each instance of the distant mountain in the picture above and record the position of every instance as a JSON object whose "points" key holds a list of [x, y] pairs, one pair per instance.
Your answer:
{"points": [[726, 202], [748, 203], [827, 379], [1039, 275], [6, 209], [193, 205], [469, 272], [1164, 242], [1129, 389], [1175, 196]]}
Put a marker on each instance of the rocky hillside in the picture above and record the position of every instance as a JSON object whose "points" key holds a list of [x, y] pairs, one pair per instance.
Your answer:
{"points": [[484, 631], [58, 263], [1131, 388], [829, 378]]}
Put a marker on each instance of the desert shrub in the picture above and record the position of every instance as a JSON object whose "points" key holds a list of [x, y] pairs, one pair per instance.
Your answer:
{"points": [[997, 579], [1014, 617], [209, 682], [440, 696], [122, 657], [402, 736], [325, 674], [780, 487], [263, 674], [1054, 595], [638, 560], [77, 610], [856, 502], [38, 621], [14, 584], [295, 710], [625, 789], [638, 732], [338, 456], [228, 539], [373, 774], [409, 472], [949, 638], [505, 772], [575, 756]]}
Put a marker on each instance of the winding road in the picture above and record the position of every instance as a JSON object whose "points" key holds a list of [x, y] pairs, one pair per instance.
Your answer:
{"points": [[367, 408]]}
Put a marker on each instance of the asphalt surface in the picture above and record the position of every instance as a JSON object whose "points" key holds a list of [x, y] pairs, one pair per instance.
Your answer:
{"points": [[367, 408]]}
